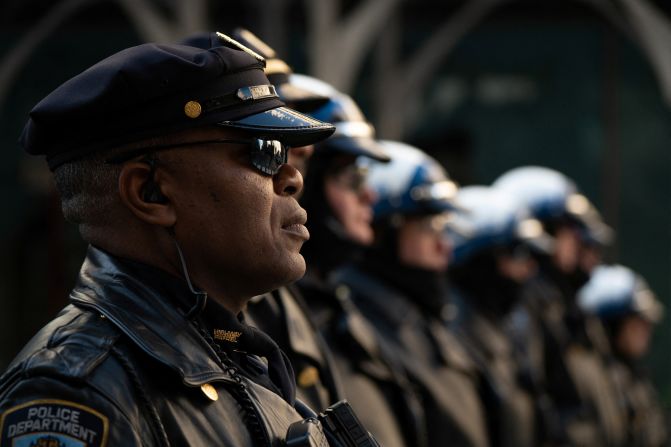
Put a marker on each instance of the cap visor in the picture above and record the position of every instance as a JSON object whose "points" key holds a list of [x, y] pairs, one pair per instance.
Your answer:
{"points": [[284, 124], [366, 147]]}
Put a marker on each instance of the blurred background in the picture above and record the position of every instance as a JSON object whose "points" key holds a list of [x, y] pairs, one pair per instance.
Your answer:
{"points": [[581, 86]]}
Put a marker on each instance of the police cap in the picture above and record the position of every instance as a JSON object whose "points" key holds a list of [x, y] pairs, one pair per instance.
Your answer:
{"points": [[154, 89], [276, 69]]}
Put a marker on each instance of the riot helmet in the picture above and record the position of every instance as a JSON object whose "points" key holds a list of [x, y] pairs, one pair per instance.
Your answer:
{"points": [[412, 183], [627, 307], [354, 134], [414, 195], [492, 245], [551, 196], [615, 291], [568, 216], [494, 220]]}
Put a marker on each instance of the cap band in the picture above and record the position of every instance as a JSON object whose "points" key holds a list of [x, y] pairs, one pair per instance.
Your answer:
{"points": [[250, 93]]}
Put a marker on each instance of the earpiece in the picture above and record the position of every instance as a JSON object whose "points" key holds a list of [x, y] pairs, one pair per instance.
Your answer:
{"points": [[152, 193]]}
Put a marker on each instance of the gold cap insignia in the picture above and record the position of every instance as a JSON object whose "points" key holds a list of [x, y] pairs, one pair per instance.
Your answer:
{"points": [[229, 336], [209, 391], [193, 109], [308, 377]]}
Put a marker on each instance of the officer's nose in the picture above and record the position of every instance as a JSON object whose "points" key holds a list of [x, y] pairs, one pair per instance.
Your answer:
{"points": [[288, 181]]}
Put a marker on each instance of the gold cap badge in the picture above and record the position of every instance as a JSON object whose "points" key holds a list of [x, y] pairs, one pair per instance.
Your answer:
{"points": [[193, 109]]}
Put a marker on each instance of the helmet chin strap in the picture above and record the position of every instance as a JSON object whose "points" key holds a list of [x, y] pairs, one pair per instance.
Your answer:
{"points": [[201, 297]]}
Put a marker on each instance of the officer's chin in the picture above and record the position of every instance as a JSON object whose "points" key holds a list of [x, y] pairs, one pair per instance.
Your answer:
{"points": [[295, 267]]}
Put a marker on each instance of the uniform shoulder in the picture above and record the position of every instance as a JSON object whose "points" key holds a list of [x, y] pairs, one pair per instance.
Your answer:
{"points": [[57, 389], [72, 345], [41, 410]]}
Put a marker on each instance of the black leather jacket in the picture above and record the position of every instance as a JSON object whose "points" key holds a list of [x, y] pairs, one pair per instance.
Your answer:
{"points": [[122, 366]]}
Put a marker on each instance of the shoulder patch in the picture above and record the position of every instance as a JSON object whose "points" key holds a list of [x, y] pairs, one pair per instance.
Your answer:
{"points": [[53, 423]]}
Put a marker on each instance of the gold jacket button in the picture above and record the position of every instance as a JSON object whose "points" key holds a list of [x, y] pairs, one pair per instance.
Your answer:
{"points": [[209, 391], [308, 377], [192, 109]]}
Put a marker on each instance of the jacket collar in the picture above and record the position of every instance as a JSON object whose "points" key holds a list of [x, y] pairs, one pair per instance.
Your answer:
{"points": [[299, 330], [380, 299], [141, 301], [400, 313], [477, 330]]}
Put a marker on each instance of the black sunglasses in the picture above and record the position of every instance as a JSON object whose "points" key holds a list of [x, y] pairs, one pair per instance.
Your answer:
{"points": [[265, 155]]}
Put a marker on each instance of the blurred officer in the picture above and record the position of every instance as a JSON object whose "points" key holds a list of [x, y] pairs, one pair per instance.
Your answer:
{"points": [[282, 313], [629, 310], [340, 210], [571, 348], [492, 260], [400, 287], [167, 157]]}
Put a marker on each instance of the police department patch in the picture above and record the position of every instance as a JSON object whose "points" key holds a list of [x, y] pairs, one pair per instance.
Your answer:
{"points": [[53, 423]]}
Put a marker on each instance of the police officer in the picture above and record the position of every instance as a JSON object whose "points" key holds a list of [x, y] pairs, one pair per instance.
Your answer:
{"points": [[492, 245], [629, 309], [570, 347], [400, 287], [340, 210], [282, 313], [172, 161]]}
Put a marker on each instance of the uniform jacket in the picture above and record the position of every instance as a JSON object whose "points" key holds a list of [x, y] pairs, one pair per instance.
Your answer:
{"points": [[283, 315], [573, 361], [437, 365], [122, 366], [509, 404], [647, 423], [373, 383]]}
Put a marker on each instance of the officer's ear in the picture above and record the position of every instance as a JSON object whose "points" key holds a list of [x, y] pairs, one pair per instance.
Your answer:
{"points": [[140, 192]]}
